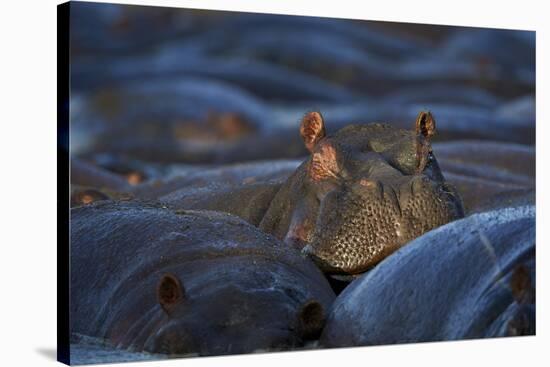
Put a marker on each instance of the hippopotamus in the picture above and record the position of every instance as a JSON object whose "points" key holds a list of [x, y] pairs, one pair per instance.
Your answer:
{"points": [[472, 278], [364, 191], [86, 174], [148, 278], [489, 174], [90, 183], [81, 195], [489, 159], [178, 182], [456, 121], [482, 171]]}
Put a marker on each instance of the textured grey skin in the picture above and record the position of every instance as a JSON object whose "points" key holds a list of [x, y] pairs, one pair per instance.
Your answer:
{"points": [[245, 189], [247, 201], [242, 290], [471, 278]]}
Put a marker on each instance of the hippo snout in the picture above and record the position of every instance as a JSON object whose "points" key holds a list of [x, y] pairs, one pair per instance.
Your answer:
{"points": [[371, 221]]}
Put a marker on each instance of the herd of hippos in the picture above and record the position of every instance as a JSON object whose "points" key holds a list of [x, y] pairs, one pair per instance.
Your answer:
{"points": [[366, 242], [210, 215]]}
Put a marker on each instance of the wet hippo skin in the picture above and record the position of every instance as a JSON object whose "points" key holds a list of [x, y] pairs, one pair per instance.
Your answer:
{"points": [[471, 278], [227, 175], [184, 105], [247, 201], [146, 278]]}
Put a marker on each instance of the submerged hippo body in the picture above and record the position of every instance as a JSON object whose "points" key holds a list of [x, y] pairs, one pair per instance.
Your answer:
{"points": [[146, 278], [472, 278], [364, 192], [244, 190]]}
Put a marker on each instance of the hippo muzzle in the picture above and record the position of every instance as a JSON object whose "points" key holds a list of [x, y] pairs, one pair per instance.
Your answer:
{"points": [[359, 226]]}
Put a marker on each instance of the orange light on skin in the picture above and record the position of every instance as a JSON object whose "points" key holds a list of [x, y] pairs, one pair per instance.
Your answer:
{"points": [[87, 199], [133, 178]]}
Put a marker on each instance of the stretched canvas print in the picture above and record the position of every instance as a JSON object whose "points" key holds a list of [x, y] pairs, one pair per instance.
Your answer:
{"points": [[245, 183]]}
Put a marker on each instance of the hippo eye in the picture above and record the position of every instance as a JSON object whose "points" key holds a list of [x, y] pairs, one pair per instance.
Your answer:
{"points": [[425, 161], [430, 158], [428, 161]]}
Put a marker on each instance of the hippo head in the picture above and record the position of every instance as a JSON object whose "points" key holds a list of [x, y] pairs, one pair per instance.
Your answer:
{"points": [[366, 191], [229, 320]]}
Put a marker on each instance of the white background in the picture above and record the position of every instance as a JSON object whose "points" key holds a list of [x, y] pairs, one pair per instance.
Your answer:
{"points": [[28, 183]]}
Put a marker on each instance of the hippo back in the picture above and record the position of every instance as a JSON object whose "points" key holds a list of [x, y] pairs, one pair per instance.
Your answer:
{"points": [[241, 289], [471, 278]]}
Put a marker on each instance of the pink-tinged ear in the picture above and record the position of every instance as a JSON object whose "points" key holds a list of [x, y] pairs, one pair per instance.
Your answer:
{"points": [[425, 124], [323, 163], [170, 292], [312, 129]]}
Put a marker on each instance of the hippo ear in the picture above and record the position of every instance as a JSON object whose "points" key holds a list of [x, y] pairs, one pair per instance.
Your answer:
{"points": [[312, 129], [425, 124], [311, 319], [169, 292]]}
